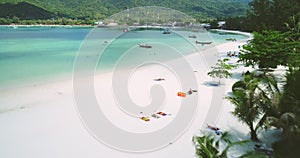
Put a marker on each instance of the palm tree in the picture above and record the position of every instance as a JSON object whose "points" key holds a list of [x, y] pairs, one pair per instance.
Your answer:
{"points": [[254, 98], [246, 102], [288, 111], [207, 146], [286, 121]]}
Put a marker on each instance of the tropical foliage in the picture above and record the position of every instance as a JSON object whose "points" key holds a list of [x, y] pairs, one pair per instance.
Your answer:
{"points": [[269, 49], [272, 48], [266, 15], [209, 146], [287, 117], [204, 9], [254, 99], [221, 69], [276, 42], [59, 21], [288, 110]]}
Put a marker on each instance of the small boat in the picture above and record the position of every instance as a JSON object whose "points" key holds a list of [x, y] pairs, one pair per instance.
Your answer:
{"points": [[192, 36], [230, 39], [222, 33], [167, 31], [198, 42], [145, 46]]}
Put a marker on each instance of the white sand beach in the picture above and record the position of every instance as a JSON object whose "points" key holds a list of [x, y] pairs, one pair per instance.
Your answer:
{"points": [[42, 120]]}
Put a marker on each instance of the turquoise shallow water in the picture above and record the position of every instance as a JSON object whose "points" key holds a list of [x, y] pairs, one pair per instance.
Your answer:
{"points": [[28, 55], [31, 55]]}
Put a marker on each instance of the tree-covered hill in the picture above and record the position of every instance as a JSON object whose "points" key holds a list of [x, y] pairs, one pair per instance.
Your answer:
{"points": [[24, 10], [97, 9]]}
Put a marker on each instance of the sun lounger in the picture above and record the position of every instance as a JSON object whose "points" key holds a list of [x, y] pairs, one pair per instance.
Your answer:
{"points": [[155, 116], [145, 119], [181, 94], [162, 113], [190, 91], [215, 129]]}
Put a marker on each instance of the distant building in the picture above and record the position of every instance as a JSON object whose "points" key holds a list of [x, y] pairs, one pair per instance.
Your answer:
{"points": [[98, 23], [207, 26], [112, 24], [221, 24]]}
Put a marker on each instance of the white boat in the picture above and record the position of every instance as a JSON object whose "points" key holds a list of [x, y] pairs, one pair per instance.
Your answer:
{"points": [[145, 46], [199, 42]]}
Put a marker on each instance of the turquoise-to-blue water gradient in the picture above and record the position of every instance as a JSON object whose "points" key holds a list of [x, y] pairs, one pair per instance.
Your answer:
{"points": [[31, 55]]}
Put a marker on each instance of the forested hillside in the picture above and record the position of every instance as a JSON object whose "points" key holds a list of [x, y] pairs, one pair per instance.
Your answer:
{"points": [[24, 10], [97, 9]]}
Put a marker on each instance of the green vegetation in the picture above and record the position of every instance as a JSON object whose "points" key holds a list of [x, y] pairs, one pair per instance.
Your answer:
{"points": [[208, 146], [267, 15], [90, 9], [17, 10], [255, 98], [269, 49], [261, 100], [287, 117], [59, 21], [254, 154], [221, 70]]}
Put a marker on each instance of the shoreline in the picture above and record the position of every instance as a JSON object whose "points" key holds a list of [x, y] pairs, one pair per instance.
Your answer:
{"points": [[46, 113], [65, 78], [68, 76], [250, 35], [42, 25]]}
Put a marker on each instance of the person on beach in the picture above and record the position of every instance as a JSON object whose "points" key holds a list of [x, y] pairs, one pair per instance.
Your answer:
{"points": [[190, 91], [159, 79]]}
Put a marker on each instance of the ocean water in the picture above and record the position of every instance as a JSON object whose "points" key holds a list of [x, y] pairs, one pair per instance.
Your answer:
{"points": [[29, 55], [33, 55]]}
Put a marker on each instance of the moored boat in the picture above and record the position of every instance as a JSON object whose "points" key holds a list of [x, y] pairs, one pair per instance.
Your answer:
{"points": [[167, 31], [145, 46], [230, 39], [192, 36], [199, 42]]}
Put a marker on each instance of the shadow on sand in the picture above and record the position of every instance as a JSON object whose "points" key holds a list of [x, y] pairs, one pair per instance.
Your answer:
{"points": [[212, 84]]}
